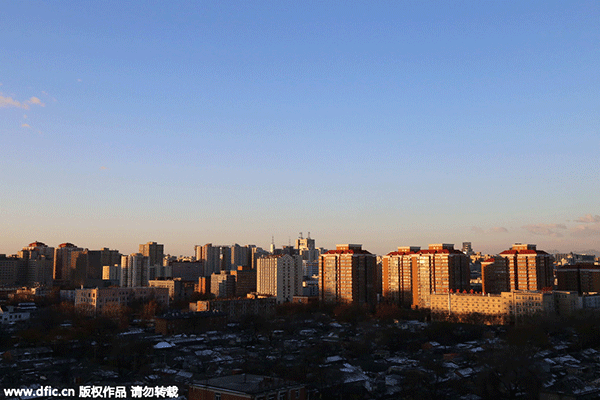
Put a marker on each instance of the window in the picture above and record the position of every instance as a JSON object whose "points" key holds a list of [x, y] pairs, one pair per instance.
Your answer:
{"points": [[217, 396]]}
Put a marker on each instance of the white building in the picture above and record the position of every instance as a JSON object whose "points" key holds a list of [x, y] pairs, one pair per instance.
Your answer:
{"points": [[99, 299], [279, 276], [8, 315], [134, 270]]}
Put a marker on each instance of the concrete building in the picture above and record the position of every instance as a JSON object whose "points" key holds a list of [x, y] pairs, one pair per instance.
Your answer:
{"points": [[279, 276], [112, 273], [237, 309], [467, 248], [348, 274], [246, 387], [8, 315], [154, 251], [494, 275], [502, 308], [245, 281], [441, 269], [186, 270], [62, 261], [9, 270], [214, 258], [177, 323], [134, 270], [103, 299], [203, 285], [222, 285], [582, 277], [37, 264], [400, 276], [175, 286], [529, 268]]}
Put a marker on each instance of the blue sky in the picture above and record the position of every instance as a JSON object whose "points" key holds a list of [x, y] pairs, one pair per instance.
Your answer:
{"points": [[381, 123]]}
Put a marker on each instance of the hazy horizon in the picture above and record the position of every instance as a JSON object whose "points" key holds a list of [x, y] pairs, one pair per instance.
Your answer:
{"points": [[385, 124]]}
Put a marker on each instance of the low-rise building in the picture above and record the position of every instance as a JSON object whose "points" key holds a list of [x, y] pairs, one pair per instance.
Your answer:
{"points": [[8, 314], [236, 309], [175, 286], [99, 299], [500, 308], [247, 386], [176, 323]]}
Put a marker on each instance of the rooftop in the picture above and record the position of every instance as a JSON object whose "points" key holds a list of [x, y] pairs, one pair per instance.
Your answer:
{"points": [[247, 383]]}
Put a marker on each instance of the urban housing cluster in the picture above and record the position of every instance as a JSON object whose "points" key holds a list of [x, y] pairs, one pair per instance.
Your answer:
{"points": [[449, 282], [207, 300]]}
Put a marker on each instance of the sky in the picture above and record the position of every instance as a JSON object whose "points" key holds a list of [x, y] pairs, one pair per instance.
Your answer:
{"points": [[386, 123]]}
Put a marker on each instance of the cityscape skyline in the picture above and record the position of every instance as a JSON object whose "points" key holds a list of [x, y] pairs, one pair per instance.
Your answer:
{"points": [[388, 125], [291, 243]]}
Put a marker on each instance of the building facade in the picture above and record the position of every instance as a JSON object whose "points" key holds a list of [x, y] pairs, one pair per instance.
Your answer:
{"points": [[494, 275], [348, 274], [134, 270], [154, 251], [583, 277], [103, 299], [279, 276], [400, 276], [529, 268], [222, 285]]}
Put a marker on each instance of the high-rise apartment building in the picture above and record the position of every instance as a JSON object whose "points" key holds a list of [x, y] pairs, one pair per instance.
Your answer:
{"points": [[245, 281], [222, 285], [400, 276], [467, 248], [582, 278], [309, 254], [410, 275], [441, 268], [154, 252], [529, 268], [109, 257], [279, 276], [62, 261], [240, 256], [494, 275], [348, 274], [134, 270], [37, 264], [214, 258]]}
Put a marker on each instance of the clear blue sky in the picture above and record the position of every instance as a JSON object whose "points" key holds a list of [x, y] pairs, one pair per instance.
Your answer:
{"points": [[382, 123]]}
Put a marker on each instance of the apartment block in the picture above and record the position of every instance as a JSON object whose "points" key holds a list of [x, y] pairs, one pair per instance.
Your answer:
{"points": [[245, 281], [175, 287], [102, 299], [400, 276], [222, 285], [62, 261], [37, 264], [348, 274], [441, 268], [529, 268], [494, 275], [154, 252], [515, 304], [236, 309], [583, 278], [134, 270], [279, 276]]}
